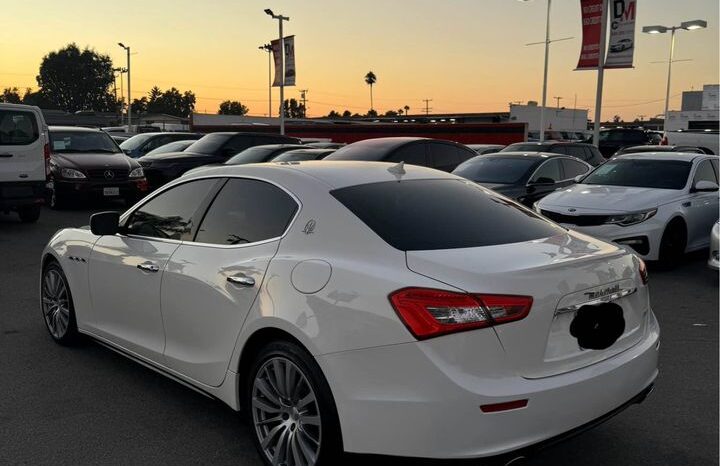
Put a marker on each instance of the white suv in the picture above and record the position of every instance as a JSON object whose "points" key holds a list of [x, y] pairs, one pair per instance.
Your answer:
{"points": [[24, 155]]}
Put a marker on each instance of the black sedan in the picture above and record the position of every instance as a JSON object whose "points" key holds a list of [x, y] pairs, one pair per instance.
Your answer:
{"points": [[523, 176], [213, 148], [433, 153], [86, 161], [585, 152]]}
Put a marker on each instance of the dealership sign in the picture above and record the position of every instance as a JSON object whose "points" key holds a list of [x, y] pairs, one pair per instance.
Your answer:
{"points": [[591, 26], [622, 34], [289, 60]]}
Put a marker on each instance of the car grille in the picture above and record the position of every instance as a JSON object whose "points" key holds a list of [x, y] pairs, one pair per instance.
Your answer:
{"points": [[579, 220], [104, 174]]}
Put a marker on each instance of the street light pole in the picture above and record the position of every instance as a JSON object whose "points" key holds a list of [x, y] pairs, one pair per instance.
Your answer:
{"points": [[545, 74], [129, 105], [280, 19], [268, 49], [688, 26]]}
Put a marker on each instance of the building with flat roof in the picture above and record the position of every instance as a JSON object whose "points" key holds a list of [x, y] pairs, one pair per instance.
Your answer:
{"points": [[706, 115]]}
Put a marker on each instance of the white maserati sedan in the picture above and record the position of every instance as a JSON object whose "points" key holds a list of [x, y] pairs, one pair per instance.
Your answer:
{"points": [[362, 307], [661, 205]]}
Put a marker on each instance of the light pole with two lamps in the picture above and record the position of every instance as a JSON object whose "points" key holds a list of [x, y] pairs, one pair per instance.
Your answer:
{"points": [[268, 49], [129, 104], [688, 26]]}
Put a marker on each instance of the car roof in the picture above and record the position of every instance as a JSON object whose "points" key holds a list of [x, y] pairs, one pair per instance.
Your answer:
{"points": [[679, 156], [83, 129], [335, 174], [527, 155]]}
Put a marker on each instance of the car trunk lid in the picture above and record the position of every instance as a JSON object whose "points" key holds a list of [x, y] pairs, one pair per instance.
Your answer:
{"points": [[571, 277]]}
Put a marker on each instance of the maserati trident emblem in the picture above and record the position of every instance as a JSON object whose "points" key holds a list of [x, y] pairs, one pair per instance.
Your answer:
{"points": [[109, 174], [309, 227]]}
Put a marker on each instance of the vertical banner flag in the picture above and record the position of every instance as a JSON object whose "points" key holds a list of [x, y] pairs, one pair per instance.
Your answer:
{"points": [[622, 34], [591, 24], [289, 59]]}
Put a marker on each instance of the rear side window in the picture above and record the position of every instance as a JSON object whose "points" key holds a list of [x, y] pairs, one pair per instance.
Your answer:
{"points": [[413, 215], [172, 214], [412, 154], [246, 211], [18, 128], [444, 157], [577, 151]]}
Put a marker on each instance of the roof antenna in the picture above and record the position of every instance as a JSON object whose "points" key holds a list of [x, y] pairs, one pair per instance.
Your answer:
{"points": [[398, 170]]}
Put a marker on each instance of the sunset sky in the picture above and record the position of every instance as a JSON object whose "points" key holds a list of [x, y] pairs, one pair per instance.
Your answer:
{"points": [[466, 55]]}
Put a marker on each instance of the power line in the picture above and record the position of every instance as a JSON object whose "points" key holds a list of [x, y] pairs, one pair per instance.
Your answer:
{"points": [[427, 106]]}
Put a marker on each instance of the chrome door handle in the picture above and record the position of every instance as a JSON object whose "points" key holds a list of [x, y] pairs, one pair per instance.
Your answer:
{"points": [[241, 280], [148, 267]]}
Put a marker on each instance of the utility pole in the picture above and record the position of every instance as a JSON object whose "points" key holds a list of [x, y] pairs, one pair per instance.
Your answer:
{"points": [[558, 101], [129, 105], [120, 71], [303, 93], [427, 106]]}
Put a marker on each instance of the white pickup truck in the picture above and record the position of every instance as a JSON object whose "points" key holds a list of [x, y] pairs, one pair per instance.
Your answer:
{"points": [[705, 139]]}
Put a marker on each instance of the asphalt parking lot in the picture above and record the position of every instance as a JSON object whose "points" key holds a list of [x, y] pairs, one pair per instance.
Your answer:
{"points": [[88, 405]]}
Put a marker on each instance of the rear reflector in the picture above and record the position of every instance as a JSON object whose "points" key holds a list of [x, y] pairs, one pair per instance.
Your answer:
{"points": [[428, 313], [507, 406], [46, 155]]}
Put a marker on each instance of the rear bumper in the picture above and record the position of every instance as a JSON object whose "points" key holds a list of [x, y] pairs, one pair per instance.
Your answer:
{"points": [[412, 400], [21, 193]]}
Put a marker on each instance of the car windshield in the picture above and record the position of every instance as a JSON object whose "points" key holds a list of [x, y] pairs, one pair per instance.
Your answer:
{"points": [[209, 143], [67, 142], [415, 215], [176, 146], [660, 174], [501, 170], [135, 141], [256, 154]]}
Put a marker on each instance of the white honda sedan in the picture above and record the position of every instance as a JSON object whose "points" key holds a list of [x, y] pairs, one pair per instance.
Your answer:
{"points": [[362, 307], [661, 205]]}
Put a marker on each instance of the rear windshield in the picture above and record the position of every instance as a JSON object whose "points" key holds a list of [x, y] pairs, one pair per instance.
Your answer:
{"points": [[660, 174], [417, 215], [252, 155], [503, 170], [209, 143]]}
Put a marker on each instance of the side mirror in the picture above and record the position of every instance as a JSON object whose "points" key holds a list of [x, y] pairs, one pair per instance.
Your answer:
{"points": [[705, 186], [105, 223]]}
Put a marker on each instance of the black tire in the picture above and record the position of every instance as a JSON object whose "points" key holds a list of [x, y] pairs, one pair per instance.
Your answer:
{"points": [[61, 325], [672, 244], [29, 214], [292, 408]]}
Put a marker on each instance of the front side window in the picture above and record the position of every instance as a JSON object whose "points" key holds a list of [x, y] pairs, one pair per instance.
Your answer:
{"points": [[172, 214], [705, 172], [75, 142], [660, 174], [247, 211], [549, 172], [429, 214], [18, 128]]}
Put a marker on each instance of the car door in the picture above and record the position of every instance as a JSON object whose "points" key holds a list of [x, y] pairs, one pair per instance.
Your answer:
{"points": [[702, 206], [22, 140], [544, 181], [126, 269], [211, 283]]}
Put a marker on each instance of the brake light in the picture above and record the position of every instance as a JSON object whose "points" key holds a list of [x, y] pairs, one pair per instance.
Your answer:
{"points": [[642, 269], [664, 140], [46, 155], [428, 313]]}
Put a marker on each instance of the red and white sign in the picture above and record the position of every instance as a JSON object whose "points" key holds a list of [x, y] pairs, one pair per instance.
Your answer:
{"points": [[289, 61], [592, 11], [622, 34]]}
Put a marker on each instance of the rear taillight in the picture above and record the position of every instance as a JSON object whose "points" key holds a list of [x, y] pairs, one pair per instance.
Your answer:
{"points": [[664, 140], [46, 154], [642, 269], [429, 313]]}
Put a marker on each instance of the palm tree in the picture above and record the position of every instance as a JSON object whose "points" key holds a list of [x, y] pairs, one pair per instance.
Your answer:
{"points": [[370, 79], [407, 109], [400, 111]]}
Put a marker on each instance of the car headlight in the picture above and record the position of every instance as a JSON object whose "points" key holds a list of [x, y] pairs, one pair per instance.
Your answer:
{"points": [[137, 173], [71, 173], [625, 220]]}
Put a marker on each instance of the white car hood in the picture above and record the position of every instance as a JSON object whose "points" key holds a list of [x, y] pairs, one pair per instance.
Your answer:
{"points": [[600, 198]]}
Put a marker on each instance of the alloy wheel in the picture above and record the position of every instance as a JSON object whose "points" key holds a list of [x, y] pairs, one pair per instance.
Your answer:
{"points": [[55, 303], [286, 414]]}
